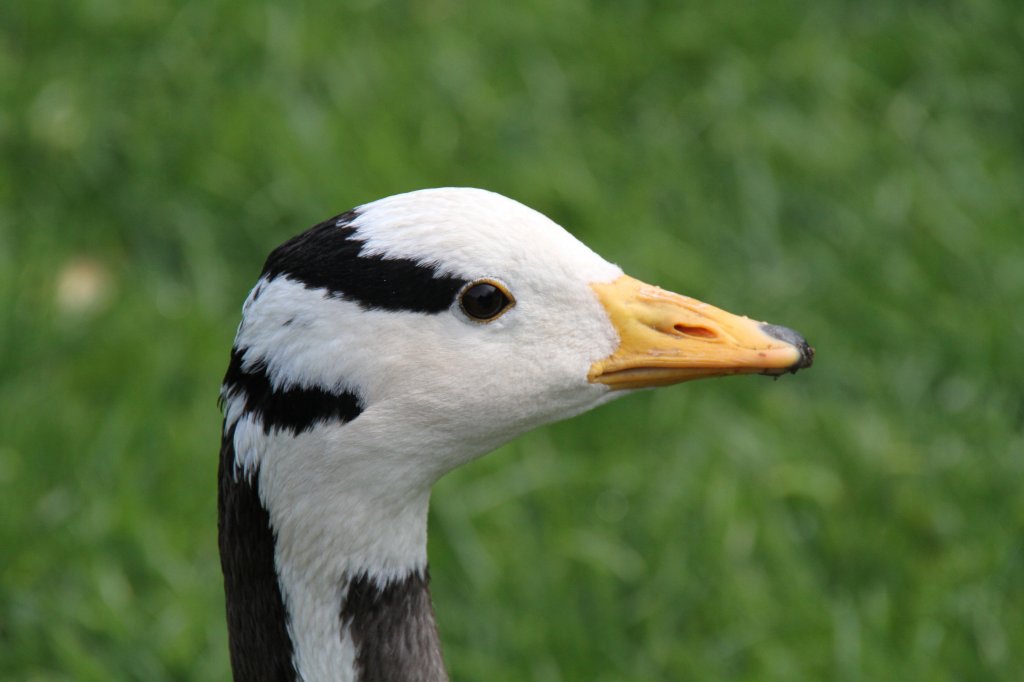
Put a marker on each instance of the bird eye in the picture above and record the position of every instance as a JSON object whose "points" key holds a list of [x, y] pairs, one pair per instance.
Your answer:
{"points": [[485, 300]]}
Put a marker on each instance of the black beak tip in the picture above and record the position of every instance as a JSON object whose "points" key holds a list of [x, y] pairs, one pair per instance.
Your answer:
{"points": [[789, 336]]}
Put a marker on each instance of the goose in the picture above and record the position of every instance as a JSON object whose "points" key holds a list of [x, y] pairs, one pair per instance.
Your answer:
{"points": [[381, 349]]}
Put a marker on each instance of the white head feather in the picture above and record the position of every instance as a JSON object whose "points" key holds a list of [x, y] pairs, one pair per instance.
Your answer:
{"points": [[436, 390]]}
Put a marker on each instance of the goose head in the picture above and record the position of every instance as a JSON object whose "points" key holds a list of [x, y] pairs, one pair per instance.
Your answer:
{"points": [[387, 346]]}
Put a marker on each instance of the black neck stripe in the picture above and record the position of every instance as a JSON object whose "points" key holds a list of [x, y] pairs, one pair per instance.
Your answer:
{"points": [[327, 256], [393, 629], [294, 409], [261, 649]]}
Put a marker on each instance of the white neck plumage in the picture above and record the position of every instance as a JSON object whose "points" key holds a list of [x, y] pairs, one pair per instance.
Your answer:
{"points": [[326, 571]]}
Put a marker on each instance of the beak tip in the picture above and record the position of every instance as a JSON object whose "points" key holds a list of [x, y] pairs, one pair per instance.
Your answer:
{"points": [[787, 335]]}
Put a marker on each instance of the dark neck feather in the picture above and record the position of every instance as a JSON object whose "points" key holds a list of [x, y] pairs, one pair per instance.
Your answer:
{"points": [[393, 629], [261, 649]]}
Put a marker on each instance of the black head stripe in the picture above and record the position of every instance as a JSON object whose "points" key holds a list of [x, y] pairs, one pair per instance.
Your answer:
{"points": [[327, 256], [294, 409]]}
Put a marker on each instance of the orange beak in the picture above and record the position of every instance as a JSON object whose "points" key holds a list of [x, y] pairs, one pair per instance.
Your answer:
{"points": [[665, 338]]}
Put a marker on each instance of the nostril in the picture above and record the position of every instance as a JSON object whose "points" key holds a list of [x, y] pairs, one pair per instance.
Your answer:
{"points": [[699, 332]]}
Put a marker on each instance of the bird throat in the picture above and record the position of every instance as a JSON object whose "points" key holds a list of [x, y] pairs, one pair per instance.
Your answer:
{"points": [[359, 626]]}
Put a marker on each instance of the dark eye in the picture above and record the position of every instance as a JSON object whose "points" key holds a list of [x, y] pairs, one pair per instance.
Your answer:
{"points": [[484, 300]]}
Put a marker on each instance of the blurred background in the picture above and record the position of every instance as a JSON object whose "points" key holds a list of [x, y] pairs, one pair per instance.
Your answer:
{"points": [[854, 170]]}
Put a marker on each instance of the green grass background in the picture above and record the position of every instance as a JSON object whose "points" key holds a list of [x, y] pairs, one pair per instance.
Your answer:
{"points": [[854, 170]]}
